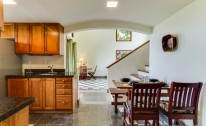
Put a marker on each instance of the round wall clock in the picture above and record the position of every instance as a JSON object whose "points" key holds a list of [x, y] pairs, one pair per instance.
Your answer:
{"points": [[169, 42]]}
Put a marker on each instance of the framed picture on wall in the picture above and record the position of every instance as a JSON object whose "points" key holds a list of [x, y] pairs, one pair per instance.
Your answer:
{"points": [[121, 53], [123, 35]]}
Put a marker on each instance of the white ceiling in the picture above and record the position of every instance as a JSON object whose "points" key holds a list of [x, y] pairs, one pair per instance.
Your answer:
{"points": [[68, 12]]}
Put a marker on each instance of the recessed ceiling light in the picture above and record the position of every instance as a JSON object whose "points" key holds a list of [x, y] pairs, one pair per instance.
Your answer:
{"points": [[9, 2], [112, 3]]}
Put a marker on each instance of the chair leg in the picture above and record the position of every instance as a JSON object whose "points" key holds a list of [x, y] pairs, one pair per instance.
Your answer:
{"points": [[92, 76], [169, 121], [157, 122], [124, 117], [145, 123], [175, 122], [195, 121]]}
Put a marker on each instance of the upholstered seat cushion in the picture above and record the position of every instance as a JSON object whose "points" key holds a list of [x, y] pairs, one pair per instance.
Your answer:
{"points": [[164, 105], [128, 106]]}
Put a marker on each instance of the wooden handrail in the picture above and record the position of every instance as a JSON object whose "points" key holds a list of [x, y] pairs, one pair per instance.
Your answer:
{"points": [[128, 54]]}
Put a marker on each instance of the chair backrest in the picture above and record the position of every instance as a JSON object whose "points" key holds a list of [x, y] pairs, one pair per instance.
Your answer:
{"points": [[95, 69], [145, 97], [184, 96]]}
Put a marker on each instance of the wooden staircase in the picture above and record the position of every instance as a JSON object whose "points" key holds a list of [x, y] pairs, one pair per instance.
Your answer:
{"points": [[128, 54], [141, 74]]}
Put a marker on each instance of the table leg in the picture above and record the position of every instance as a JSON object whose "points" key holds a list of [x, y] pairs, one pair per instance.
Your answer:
{"points": [[115, 103], [129, 94]]}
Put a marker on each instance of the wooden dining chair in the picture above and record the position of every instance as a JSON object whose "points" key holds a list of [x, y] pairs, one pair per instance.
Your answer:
{"points": [[91, 74], [183, 102], [144, 104]]}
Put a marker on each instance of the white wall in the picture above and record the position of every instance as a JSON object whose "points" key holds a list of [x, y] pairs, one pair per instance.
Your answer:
{"points": [[98, 47], [188, 62], [10, 63], [129, 65]]}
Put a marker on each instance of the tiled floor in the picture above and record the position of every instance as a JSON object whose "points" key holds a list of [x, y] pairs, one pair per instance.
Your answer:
{"points": [[94, 110], [99, 83]]}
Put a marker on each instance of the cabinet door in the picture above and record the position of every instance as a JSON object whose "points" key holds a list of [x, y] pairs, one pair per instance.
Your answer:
{"points": [[52, 38], [49, 93], [36, 91], [22, 38], [17, 87], [8, 32], [37, 38]]}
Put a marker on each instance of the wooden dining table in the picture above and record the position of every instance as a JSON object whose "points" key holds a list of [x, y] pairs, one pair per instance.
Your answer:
{"points": [[125, 88], [83, 70]]}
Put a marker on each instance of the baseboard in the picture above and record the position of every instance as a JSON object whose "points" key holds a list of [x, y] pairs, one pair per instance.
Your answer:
{"points": [[101, 77]]}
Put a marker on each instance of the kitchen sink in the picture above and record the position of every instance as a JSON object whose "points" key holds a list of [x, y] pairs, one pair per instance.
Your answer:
{"points": [[49, 74]]}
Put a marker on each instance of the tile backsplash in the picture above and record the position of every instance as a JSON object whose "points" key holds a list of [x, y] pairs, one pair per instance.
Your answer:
{"points": [[42, 62]]}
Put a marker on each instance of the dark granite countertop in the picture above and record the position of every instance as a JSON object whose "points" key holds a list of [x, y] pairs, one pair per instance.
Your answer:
{"points": [[11, 105], [43, 73], [64, 74]]}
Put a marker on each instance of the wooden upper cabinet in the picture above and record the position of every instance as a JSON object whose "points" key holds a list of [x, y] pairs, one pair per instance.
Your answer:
{"points": [[52, 38], [8, 32], [37, 38], [22, 38], [1, 16], [18, 87]]}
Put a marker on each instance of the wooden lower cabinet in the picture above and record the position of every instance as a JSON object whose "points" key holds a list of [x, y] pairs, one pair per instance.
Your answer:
{"points": [[43, 90], [17, 87], [64, 93], [49, 93], [64, 102], [20, 118]]}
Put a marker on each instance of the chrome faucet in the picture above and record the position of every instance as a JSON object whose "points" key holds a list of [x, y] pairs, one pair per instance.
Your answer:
{"points": [[51, 67]]}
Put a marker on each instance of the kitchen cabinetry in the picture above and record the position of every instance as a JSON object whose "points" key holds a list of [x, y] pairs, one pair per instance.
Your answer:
{"points": [[22, 38], [8, 32], [43, 90], [63, 93], [38, 38], [17, 87], [52, 38], [60, 93], [1, 15]]}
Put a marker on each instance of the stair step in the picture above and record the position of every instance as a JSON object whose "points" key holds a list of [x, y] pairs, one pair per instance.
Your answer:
{"points": [[136, 77], [143, 73], [146, 67]]}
